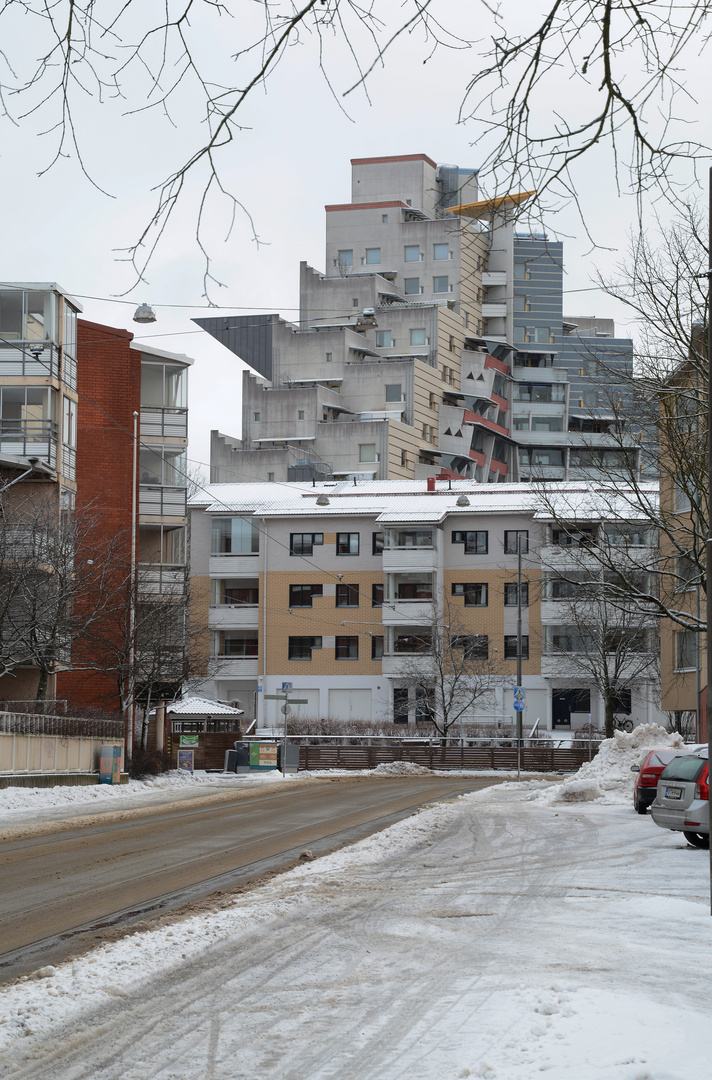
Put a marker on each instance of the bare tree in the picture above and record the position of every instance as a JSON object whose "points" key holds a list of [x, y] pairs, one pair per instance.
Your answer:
{"points": [[608, 645], [626, 61], [649, 546], [448, 668], [57, 581]]}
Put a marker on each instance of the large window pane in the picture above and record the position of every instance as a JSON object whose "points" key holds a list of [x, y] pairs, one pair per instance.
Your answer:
{"points": [[11, 314]]}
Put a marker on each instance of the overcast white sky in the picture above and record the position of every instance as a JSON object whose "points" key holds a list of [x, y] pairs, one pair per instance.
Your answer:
{"points": [[292, 159]]}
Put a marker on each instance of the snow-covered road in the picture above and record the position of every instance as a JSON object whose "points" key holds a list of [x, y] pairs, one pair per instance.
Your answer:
{"points": [[495, 937]]}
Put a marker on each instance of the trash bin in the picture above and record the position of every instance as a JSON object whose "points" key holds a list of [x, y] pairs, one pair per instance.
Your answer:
{"points": [[241, 757]]}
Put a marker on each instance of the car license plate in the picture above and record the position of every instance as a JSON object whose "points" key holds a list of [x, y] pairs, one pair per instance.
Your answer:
{"points": [[673, 792]]}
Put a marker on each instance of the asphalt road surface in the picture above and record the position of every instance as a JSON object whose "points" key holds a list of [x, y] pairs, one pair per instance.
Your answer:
{"points": [[63, 892]]}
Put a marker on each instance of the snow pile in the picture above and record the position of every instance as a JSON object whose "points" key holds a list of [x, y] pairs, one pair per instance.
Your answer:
{"points": [[608, 775], [400, 768], [15, 800]]}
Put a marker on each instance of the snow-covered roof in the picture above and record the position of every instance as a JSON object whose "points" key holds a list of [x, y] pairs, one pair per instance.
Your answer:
{"points": [[197, 706], [410, 500]]}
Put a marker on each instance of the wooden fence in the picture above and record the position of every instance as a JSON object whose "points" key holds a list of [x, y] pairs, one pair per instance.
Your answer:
{"points": [[533, 758]]}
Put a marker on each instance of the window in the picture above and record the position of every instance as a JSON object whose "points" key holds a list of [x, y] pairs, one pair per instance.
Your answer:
{"points": [[300, 648], [163, 465], [521, 303], [69, 434], [384, 219], [234, 536], [377, 594], [304, 543], [301, 595], [417, 337], [329, 357], [377, 543], [270, 477], [573, 536], [547, 423], [475, 594], [513, 539], [441, 251], [441, 284], [475, 542], [237, 645], [432, 401], [373, 255], [376, 647], [685, 650], [354, 301], [404, 459], [347, 543], [347, 596], [346, 648], [346, 257], [525, 391], [521, 271], [510, 594], [233, 591], [367, 452], [412, 252], [474, 646], [424, 705], [510, 647], [409, 538], [687, 574], [300, 414], [450, 343], [383, 339], [394, 392], [622, 702], [411, 285], [400, 704], [543, 335], [520, 423]]}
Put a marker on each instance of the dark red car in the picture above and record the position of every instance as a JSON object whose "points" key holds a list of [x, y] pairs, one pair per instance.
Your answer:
{"points": [[648, 773]]}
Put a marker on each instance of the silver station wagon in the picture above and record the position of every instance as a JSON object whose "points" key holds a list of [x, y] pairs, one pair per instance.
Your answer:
{"points": [[682, 800]]}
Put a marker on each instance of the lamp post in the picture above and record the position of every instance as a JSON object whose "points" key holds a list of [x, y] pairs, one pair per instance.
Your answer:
{"points": [[708, 560], [132, 596]]}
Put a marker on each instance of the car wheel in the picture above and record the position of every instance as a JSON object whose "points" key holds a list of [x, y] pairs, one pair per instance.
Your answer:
{"points": [[640, 807], [698, 839]]}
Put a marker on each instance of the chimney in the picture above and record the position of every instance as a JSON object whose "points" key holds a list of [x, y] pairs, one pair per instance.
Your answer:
{"points": [[431, 483]]}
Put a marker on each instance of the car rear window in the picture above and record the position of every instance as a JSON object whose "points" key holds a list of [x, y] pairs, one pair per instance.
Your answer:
{"points": [[687, 767], [659, 758]]}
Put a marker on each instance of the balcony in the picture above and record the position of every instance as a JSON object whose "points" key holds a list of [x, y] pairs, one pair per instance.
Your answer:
{"points": [[172, 423], [162, 501], [233, 667], [407, 558], [494, 277], [398, 612], [16, 360], [233, 616], [494, 311], [29, 438], [155, 579]]}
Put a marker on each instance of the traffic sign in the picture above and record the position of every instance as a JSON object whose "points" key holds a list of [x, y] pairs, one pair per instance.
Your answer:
{"points": [[285, 710], [520, 696], [519, 706], [287, 687], [292, 701]]}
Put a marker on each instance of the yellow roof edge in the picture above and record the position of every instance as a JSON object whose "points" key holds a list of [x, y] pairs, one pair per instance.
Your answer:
{"points": [[488, 206]]}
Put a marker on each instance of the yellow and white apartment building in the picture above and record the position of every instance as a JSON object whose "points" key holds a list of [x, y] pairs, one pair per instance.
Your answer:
{"points": [[333, 587]]}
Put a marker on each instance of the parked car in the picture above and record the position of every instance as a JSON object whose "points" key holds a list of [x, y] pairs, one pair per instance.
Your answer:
{"points": [[645, 785], [682, 800]]}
